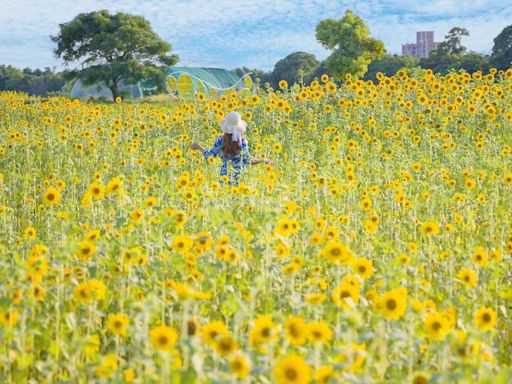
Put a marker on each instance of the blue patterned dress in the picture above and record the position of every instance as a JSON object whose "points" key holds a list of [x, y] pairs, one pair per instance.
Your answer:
{"points": [[238, 162]]}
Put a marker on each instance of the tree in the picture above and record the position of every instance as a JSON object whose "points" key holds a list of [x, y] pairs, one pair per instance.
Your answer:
{"points": [[321, 69], [501, 57], [452, 43], [389, 65], [473, 62], [349, 39], [293, 67], [113, 48]]}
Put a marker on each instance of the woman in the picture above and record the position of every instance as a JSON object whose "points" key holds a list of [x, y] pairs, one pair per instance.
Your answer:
{"points": [[232, 147]]}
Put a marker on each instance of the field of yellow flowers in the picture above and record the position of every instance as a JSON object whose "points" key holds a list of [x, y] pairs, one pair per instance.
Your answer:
{"points": [[375, 249]]}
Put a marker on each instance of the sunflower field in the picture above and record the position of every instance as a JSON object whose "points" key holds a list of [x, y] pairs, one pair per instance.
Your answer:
{"points": [[376, 248]]}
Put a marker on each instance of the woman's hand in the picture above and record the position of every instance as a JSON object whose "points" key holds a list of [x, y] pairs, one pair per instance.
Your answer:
{"points": [[196, 147]]}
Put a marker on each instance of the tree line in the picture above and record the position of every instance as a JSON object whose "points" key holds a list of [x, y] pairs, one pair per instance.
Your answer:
{"points": [[122, 47], [35, 82]]}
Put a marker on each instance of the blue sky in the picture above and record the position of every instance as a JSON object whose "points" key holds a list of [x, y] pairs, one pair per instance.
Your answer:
{"points": [[233, 33]]}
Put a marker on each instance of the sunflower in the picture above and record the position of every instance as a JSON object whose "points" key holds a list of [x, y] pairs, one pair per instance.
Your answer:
{"points": [[296, 330], [292, 370], [319, 332], [345, 295], [336, 252], [203, 241], [393, 304], [163, 338], [213, 330], [240, 366], [97, 191], [468, 277], [86, 250], [363, 267], [284, 227], [436, 326], [485, 318], [315, 298], [507, 179], [82, 293], [263, 331], [9, 318], [30, 232], [226, 345], [420, 378], [430, 228], [38, 292], [118, 323], [325, 374], [182, 243], [480, 256], [51, 196]]}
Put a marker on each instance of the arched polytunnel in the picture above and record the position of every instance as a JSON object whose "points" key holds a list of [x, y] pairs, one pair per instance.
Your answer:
{"points": [[187, 82]]}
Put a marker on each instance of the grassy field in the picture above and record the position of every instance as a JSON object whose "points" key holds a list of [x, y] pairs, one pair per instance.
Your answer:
{"points": [[376, 248]]}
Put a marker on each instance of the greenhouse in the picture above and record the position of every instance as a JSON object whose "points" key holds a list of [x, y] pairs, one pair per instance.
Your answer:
{"points": [[101, 91], [186, 82]]}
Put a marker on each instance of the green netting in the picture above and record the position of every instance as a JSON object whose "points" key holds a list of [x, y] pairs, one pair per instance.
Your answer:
{"points": [[186, 81]]}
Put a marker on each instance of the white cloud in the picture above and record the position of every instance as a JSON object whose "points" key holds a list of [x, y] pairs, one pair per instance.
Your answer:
{"points": [[253, 33]]}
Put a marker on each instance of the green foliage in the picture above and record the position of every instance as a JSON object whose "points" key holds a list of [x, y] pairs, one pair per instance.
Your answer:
{"points": [[451, 55], [501, 57], [320, 70], [34, 82], [352, 48], [113, 48], [389, 65], [294, 68], [452, 43]]}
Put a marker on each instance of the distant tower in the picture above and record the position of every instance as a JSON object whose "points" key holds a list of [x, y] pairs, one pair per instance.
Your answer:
{"points": [[423, 46]]}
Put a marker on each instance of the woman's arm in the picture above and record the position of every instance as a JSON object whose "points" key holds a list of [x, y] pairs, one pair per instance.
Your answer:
{"points": [[197, 147], [214, 152], [261, 160]]}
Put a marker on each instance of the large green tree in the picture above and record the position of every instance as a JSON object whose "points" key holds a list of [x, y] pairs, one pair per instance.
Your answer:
{"points": [[294, 68], [112, 48], [501, 57], [352, 47]]}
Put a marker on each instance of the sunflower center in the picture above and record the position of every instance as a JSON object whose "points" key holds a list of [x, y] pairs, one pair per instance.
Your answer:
{"points": [[290, 373], [486, 317], [163, 340], [391, 304]]}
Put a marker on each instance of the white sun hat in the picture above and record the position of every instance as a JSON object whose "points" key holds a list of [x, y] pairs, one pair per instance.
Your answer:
{"points": [[234, 125]]}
